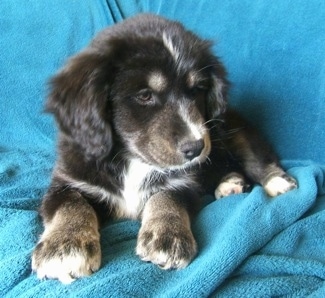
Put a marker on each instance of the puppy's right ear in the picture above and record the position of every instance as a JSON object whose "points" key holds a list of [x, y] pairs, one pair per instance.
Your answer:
{"points": [[79, 101]]}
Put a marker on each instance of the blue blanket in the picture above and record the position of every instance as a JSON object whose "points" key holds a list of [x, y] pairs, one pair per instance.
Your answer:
{"points": [[249, 245]]}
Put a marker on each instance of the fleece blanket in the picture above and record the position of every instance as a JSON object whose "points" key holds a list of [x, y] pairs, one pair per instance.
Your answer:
{"points": [[249, 245]]}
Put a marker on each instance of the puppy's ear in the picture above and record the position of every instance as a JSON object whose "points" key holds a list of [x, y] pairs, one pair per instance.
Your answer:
{"points": [[217, 96], [79, 101]]}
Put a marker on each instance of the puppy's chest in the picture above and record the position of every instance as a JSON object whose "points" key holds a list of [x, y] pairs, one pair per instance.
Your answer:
{"points": [[136, 190], [140, 181]]}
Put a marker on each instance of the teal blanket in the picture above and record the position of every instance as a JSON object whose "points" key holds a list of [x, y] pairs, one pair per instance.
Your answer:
{"points": [[249, 245]]}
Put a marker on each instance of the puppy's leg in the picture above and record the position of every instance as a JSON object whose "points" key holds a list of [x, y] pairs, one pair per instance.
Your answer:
{"points": [[165, 237], [257, 158], [69, 247], [277, 181]]}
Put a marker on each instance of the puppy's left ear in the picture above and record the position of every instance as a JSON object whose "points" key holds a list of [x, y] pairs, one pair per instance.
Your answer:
{"points": [[217, 96]]}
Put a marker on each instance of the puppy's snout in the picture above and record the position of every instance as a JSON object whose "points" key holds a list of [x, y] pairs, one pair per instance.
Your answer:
{"points": [[192, 149]]}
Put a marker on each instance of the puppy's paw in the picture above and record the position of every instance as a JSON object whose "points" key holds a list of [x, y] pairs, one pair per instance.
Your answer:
{"points": [[233, 183], [65, 256], [277, 185], [168, 247]]}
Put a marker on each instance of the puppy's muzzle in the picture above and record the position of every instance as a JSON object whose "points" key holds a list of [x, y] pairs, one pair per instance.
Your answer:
{"points": [[192, 149]]}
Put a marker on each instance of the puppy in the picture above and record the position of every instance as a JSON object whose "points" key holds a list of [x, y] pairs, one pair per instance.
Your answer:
{"points": [[144, 132]]}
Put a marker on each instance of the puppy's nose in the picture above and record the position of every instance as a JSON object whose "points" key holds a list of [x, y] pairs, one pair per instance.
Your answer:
{"points": [[192, 149]]}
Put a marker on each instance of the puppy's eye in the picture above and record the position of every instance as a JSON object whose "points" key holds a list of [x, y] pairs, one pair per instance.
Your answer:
{"points": [[144, 96]]}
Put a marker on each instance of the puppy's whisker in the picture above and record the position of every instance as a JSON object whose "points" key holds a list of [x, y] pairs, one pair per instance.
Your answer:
{"points": [[217, 139], [235, 130], [208, 161], [232, 132], [212, 127], [206, 122], [116, 155], [213, 120], [207, 66]]}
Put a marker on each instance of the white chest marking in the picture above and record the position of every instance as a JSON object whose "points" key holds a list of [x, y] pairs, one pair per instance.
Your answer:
{"points": [[134, 178]]}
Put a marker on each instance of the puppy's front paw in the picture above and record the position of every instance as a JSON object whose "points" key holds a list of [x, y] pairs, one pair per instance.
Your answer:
{"points": [[277, 185], [233, 183], [65, 256], [168, 247]]}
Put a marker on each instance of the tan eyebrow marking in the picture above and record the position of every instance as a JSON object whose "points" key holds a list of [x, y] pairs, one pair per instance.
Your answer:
{"points": [[157, 81], [194, 78]]}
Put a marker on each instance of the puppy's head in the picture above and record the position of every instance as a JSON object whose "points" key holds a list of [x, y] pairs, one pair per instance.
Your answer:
{"points": [[149, 85]]}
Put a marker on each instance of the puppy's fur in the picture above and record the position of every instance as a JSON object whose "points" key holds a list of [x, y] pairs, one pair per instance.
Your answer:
{"points": [[144, 132]]}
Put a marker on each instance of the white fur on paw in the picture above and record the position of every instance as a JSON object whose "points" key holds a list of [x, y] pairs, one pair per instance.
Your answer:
{"points": [[167, 247], [232, 185], [65, 269], [279, 185], [66, 257], [164, 260]]}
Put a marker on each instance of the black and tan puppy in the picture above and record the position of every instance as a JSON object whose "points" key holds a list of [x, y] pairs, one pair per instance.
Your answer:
{"points": [[144, 132]]}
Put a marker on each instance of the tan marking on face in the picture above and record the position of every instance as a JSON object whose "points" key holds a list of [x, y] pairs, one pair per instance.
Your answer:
{"points": [[157, 81], [193, 78]]}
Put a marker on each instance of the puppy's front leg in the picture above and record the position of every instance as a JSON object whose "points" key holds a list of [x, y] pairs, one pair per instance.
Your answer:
{"points": [[69, 247], [165, 237]]}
